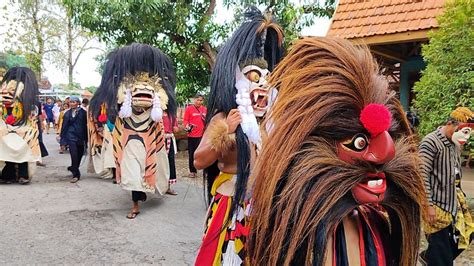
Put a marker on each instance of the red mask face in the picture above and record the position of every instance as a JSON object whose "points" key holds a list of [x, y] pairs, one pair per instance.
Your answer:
{"points": [[376, 150]]}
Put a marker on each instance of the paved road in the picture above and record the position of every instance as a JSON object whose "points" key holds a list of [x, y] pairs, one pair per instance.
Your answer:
{"points": [[52, 221]]}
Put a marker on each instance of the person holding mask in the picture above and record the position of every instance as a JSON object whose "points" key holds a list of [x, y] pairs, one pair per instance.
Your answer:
{"points": [[74, 133], [193, 121]]}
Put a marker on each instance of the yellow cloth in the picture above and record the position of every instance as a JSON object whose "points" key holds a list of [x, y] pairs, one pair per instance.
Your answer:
{"points": [[464, 223], [222, 178]]}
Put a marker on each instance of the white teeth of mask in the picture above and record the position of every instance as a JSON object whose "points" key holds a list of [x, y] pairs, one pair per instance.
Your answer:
{"points": [[379, 182], [372, 183]]}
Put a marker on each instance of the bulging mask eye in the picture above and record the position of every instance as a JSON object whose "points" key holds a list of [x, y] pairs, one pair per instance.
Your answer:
{"points": [[358, 143], [253, 76]]}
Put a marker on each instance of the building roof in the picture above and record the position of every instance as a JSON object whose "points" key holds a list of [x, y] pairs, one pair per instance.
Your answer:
{"points": [[44, 84], [385, 21]]}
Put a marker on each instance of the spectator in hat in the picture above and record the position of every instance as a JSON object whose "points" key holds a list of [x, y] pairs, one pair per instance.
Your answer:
{"points": [[74, 134]]}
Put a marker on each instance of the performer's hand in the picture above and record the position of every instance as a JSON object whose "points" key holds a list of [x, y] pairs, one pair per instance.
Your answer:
{"points": [[233, 120], [431, 215]]}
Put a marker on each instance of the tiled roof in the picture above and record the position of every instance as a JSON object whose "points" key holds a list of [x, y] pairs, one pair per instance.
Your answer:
{"points": [[363, 18]]}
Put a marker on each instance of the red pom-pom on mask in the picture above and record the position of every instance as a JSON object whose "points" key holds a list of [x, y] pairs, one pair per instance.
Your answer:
{"points": [[102, 118], [10, 120], [376, 118]]}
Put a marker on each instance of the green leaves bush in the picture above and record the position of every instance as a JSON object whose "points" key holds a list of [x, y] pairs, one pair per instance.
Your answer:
{"points": [[448, 80]]}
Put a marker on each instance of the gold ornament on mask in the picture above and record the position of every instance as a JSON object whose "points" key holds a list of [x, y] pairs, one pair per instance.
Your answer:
{"points": [[143, 77], [17, 110], [143, 83]]}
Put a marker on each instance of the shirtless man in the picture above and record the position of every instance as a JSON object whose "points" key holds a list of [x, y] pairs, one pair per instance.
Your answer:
{"points": [[206, 155], [238, 98]]}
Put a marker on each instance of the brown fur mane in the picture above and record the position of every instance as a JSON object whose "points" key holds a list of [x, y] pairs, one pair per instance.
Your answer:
{"points": [[303, 189]]}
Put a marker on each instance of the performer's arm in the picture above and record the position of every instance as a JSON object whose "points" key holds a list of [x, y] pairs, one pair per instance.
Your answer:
{"points": [[175, 126], [86, 133], [427, 155], [218, 139], [65, 123]]}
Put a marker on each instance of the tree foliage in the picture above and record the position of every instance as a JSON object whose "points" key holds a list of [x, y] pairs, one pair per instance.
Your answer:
{"points": [[292, 18], [184, 30], [10, 59], [42, 31], [448, 80], [91, 89], [33, 29]]}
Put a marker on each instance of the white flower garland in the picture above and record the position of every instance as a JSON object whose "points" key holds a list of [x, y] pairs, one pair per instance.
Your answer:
{"points": [[156, 112], [126, 108]]}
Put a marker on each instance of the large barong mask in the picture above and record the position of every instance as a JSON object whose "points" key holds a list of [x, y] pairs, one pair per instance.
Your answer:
{"points": [[339, 142], [143, 90], [10, 92], [137, 77], [255, 74], [18, 96]]}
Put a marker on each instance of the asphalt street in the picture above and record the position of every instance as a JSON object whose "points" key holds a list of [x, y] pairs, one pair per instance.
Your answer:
{"points": [[52, 221]]}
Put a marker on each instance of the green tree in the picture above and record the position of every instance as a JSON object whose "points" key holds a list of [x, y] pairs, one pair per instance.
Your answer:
{"points": [[91, 89], [292, 18], [10, 59], [184, 30], [448, 80], [16, 60], [76, 41], [43, 31], [34, 27]]}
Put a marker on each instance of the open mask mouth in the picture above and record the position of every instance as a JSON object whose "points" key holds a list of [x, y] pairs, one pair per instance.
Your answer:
{"points": [[371, 189], [259, 98], [6, 99], [142, 98]]}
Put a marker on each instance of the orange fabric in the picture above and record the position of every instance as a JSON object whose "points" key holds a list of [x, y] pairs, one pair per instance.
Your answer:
{"points": [[153, 138]]}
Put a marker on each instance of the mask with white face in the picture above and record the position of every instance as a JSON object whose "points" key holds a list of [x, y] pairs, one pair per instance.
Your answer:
{"points": [[462, 134]]}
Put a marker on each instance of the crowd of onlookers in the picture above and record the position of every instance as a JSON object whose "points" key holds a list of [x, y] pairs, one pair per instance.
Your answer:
{"points": [[51, 116], [69, 120]]}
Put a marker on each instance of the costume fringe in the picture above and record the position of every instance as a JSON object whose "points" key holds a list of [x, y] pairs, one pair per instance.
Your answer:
{"points": [[221, 141]]}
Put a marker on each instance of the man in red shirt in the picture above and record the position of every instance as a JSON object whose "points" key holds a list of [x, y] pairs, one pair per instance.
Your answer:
{"points": [[193, 121]]}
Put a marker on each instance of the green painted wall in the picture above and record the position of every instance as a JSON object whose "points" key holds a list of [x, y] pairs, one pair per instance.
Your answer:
{"points": [[414, 64]]}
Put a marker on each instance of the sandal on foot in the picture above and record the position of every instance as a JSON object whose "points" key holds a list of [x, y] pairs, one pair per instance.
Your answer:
{"points": [[171, 192], [23, 181], [132, 215]]}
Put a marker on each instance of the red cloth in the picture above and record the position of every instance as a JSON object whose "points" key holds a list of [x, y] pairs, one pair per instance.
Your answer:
{"points": [[167, 123], [210, 241], [196, 116]]}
